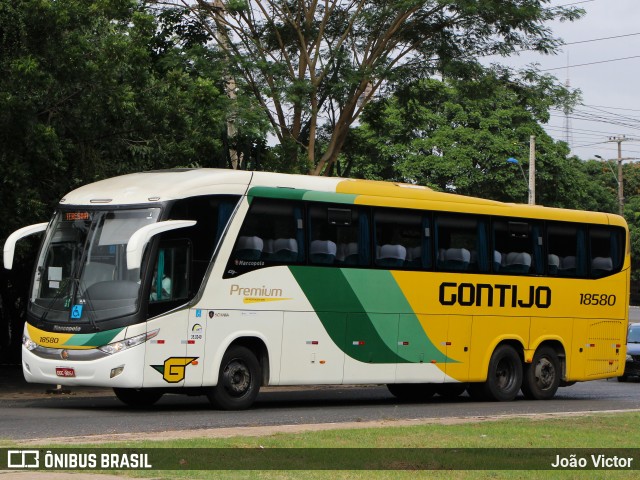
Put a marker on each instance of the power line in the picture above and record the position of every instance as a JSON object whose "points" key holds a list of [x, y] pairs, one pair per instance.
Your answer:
{"points": [[601, 38], [590, 63], [574, 3], [613, 108]]}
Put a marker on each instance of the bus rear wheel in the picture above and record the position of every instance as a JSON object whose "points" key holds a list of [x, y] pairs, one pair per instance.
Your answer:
{"points": [[412, 391], [138, 397], [504, 377], [238, 380], [542, 375]]}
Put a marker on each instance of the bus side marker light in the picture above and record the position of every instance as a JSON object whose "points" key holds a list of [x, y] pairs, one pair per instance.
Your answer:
{"points": [[194, 363], [358, 342], [312, 342], [403, 344], [322, 362], [434, 361]]}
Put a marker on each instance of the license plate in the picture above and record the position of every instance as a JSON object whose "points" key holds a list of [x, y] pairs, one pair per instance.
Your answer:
{"points": [[65, 372]]}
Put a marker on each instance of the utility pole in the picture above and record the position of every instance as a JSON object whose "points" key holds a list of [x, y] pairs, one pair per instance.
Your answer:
{"points": [[532, 170], [619, 139], [222, 38]]}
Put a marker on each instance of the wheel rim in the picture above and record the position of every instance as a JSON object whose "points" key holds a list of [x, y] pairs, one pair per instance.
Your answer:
{"points": [[544, 373], [505, 374], [237, 378]]}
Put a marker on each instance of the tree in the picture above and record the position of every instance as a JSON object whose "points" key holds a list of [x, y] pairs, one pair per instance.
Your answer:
{"points": [[309, 63], [456, 135]]}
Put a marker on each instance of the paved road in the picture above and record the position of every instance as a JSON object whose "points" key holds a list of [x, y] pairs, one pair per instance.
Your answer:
{"points": [[94, 414]]}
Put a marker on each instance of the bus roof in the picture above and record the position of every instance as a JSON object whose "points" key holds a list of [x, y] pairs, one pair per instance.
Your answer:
{"points": [[165, 185]]}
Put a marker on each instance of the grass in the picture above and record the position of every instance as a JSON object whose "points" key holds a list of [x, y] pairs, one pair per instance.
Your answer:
{"points": [[602, 431]]}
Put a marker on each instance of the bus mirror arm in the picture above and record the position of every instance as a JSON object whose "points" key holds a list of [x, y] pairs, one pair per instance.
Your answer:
{"points": [[10, 244], [139, 239]]}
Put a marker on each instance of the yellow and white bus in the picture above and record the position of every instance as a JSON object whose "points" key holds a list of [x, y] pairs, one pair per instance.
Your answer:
{"points": [[217, 282]]}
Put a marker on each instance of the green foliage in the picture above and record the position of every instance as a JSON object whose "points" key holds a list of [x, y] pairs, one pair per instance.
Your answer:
{"points": [[312, 65], [456, 135]]}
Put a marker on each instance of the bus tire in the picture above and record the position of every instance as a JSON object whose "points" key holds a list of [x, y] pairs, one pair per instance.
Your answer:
{"points": [[238, 380], [542, 376], [504, 377], [138, 397], [416, 392]]}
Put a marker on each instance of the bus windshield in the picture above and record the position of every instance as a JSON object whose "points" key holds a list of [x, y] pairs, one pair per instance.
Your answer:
{"points": [[81, 274]]}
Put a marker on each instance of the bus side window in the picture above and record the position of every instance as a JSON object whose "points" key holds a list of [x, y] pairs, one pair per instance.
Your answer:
{"points": [[606, 248], [398, 239], [272, 234], [566, 249], [517, 246], [461, 243], [171, 272], [338, 235]]}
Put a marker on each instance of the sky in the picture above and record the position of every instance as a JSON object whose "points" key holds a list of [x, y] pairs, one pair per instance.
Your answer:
{"points": [[610, 94]]}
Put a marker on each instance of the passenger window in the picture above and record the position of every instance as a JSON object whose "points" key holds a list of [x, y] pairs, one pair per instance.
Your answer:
{"points": [[399, 237], [338, 235], [461, 243], [606, 247], [272, 234], [566, 250], [517, 246]]}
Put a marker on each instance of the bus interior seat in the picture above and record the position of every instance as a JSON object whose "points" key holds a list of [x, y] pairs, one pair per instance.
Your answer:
{"points": [[391, 256], [249, 248], [567, 265], [95, 272], [554, 263], [517, 262], [285, 250], [322, 252], [497, 261], [267, 250], [456, 259], [601, 266], [348, 253], [414, 256]]}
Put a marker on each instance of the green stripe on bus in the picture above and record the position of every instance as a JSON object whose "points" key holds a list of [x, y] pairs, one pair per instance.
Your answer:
{"points": [[343, 316], [379, 292], [301, 194], [365, 313], [93, 339]]}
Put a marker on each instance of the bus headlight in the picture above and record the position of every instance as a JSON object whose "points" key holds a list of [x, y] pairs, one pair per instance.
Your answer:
{"points": [[28, 343], [121, 345]]}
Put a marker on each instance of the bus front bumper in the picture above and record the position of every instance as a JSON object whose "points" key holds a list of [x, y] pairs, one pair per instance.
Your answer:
{"points": [[84, 367]]}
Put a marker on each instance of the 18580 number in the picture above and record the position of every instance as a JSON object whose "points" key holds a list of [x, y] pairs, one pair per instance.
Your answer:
{"points": [[601, 299]]}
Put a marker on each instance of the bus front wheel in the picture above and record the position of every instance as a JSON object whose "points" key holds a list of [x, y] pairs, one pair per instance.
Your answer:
{"points": [[504, 377], [542, 376], [138, 397], [238, 380]]}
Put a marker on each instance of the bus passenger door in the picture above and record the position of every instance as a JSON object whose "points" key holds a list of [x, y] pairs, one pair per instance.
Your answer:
{"points": [[166, 358]]}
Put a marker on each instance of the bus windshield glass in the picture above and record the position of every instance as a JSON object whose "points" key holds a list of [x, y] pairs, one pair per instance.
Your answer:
{"points": [[82, 275]]}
